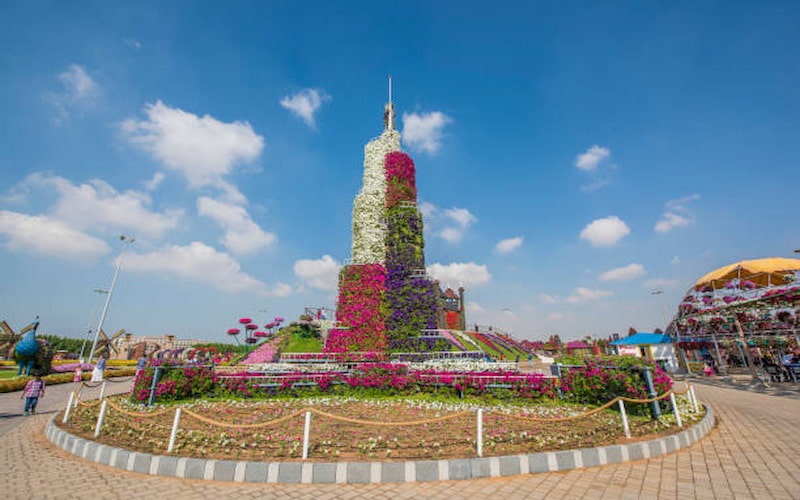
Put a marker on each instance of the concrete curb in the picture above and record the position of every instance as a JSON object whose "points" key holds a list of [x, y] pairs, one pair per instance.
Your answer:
{"points": [[373, 472]]}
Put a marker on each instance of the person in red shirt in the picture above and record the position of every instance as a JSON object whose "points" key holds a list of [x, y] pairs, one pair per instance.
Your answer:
{"points": [[34, 390]]}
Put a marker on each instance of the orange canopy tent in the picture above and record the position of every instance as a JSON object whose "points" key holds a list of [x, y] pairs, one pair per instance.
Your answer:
{"points": [[763, 272]]}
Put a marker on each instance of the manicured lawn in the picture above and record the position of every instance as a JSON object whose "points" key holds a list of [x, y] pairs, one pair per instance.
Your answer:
{"points": [[303, 344]]}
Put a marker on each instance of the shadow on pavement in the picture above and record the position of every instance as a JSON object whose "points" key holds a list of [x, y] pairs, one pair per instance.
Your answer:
{"points": [[783, 389]]}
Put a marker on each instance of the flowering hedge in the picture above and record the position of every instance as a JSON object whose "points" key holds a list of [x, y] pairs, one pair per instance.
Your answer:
{"points": [[595, 382], [360, 310], [375, 379]]}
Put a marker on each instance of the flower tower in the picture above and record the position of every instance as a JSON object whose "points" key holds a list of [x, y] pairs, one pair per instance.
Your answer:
{"points": [[386, 299]]}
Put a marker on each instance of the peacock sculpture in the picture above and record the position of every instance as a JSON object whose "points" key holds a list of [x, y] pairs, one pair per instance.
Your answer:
{"points": [[32, 354]]}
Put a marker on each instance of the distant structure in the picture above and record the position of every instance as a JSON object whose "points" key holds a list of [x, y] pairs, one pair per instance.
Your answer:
{"points": [[134, 346]]}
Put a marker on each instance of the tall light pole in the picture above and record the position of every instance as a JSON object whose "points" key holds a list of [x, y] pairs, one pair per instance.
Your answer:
{"points": [[125, 242], [89, 327]]}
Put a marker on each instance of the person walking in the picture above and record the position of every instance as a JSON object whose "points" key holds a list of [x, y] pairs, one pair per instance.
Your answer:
{"points": [[141, 364], [34, 390], [99, 370]]}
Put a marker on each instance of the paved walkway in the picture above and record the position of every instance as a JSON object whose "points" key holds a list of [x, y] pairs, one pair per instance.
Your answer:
{"points": [[752, 454], [54, 400]]}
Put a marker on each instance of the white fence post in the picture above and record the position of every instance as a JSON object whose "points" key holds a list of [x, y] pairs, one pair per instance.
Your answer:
{"points": [[100, 418], [694, 398], [174, 434], [480, 432], [675, 409], [78, 395], [69, 407], [624, 419], [306, 431], [103, 389]]}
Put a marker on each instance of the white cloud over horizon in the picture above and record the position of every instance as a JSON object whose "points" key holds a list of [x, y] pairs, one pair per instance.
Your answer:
{"points": [[423, 131], [625, 273], [322, 273], [583, 294], [203, 149], [604, 232], [242, 234], [508, 245], [468, 275], [201, 263], [305, 104], [48, 236]]}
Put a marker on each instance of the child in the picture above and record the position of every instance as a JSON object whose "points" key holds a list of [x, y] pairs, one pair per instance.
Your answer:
{"points": [[34, 390]]}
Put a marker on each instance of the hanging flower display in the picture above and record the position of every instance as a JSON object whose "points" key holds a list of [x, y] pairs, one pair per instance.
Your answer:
{"points": [[234, 331], [245, 321]]}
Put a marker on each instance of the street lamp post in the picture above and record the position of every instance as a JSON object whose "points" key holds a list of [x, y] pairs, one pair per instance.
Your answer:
{"points": [[125, 242], [89, 327]]}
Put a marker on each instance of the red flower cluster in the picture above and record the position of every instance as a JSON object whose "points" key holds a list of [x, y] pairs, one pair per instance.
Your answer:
{"points": [[360, 311], [400, 179]]}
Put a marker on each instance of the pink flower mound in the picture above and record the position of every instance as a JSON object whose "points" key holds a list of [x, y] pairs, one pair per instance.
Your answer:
{"points": [[449, 336], [400, 179], [361, 291], [71, 367], [265, 353]]}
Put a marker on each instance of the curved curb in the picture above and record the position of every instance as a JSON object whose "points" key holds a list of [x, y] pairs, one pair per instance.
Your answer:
{"points": [[373, 472]]}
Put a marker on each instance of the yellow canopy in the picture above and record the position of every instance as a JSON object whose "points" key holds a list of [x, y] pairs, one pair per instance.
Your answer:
{"points": [[762, 272]]}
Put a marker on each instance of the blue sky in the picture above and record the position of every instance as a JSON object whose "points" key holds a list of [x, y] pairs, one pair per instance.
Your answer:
{"points": [[570, 161]]}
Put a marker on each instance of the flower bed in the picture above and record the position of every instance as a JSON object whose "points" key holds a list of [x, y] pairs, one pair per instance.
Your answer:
{"points": [[332, 439]]}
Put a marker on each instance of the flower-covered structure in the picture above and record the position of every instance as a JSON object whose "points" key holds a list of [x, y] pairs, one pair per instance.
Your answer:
{"points": [[386, 299], [754, 303]]}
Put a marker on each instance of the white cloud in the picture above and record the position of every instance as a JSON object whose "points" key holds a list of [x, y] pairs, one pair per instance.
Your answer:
{"points": [[305, 104], [133, 44], [428, 209], [508, 245], [474, 307], [202, 149], [423, 131], [153, 183], [97, 205], [79, 90], [676, 214], [460, 216], [605, 232], [463, 220], [670, 221], [201, 263], [582, 294], [45, 235], [659, 283], [680, 203], [593, 156], [242, 234], [322, 274], [675, 260], [469, 274], [625, 273], [548, 299]]}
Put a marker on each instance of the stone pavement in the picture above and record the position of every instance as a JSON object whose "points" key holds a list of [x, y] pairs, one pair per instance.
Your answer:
{"points": [[752, 454], [54, 400]]}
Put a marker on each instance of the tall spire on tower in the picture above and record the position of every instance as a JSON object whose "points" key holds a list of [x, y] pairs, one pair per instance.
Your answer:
{"points": [[388, 110]]}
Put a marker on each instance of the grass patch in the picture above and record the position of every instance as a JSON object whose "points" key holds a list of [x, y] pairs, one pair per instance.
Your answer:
{"points": [[298, 343]]}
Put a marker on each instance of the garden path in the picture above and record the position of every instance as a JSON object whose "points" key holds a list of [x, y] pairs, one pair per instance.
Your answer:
{"points": [[751, 454], [54, 400]]}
